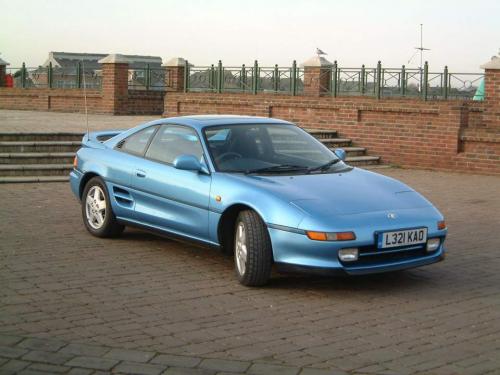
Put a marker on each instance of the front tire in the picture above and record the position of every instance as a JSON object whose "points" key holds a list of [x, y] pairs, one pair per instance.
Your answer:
{"points": [[252, 249], [98, 216]]}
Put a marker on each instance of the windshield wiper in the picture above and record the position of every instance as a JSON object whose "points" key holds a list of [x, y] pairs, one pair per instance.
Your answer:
{"points": [[277, 168], [323, 167]]}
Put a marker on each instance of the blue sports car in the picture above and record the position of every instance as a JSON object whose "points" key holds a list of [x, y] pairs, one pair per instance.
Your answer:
{"points": [[262, 189]]}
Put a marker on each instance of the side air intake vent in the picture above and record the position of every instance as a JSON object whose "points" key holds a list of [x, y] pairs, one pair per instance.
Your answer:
{"points": [[120, 144]]}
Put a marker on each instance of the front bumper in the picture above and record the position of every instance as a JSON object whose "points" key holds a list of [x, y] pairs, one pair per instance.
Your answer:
{"points": [[295, 252]]}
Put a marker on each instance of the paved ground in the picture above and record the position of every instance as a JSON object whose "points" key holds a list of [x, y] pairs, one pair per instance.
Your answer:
{"points": [[141, 303], [26, 121]]}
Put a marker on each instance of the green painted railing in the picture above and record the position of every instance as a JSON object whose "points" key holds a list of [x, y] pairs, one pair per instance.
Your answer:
{"points": [[378, 81], [69, 77], [146, 79], [252, 79]]}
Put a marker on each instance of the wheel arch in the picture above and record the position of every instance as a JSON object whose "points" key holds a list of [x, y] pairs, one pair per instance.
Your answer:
{"points": [[226, 225], [86, 178]]}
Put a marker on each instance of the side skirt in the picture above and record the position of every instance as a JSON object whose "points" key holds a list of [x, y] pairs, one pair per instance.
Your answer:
{"points": [[170, 235]]}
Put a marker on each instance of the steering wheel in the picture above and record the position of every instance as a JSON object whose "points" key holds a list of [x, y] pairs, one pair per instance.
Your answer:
{"points": [[226, 155]]}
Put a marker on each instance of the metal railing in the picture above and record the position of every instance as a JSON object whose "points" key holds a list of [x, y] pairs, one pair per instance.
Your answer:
{"points": [[336, 81], [250, 79], [400, 82], [147, 79], [54, 77]]}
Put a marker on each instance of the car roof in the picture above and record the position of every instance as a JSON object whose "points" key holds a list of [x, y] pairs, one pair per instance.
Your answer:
{"points": [[202, 121]]}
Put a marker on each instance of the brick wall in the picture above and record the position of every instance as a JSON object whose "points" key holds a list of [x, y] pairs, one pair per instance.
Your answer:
{"points": [[114, 97], [72, 100], [62, 100], [492, 98], [406, 132], [142, 102]]}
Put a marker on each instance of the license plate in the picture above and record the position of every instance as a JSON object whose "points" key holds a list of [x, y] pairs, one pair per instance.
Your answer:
{"points": [[402, 238]]}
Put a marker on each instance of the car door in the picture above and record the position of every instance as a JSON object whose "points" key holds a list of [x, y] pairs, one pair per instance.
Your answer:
{"points": [[121, 163], [168, 198]]}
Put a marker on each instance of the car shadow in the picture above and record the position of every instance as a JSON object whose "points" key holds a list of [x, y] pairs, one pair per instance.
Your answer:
{"points": [[138, 234], [387, 282], [417, 279]]}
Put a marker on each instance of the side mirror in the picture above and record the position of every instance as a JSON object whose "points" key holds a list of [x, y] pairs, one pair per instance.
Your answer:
{"points": [[340, 153], [189, 163]]}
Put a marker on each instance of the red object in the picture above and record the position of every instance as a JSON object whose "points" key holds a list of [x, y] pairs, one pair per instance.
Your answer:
{"points": [[9, 81]]}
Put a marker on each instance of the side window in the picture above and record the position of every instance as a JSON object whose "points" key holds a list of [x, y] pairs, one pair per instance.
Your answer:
{"points": [[136, 144], [171, 141]]}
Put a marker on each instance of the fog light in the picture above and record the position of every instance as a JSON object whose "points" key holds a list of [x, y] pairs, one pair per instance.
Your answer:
{"points": [[348, 255], [433, 244]]}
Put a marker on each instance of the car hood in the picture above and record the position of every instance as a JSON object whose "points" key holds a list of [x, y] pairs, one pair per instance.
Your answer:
{"points": [[351, 192]]}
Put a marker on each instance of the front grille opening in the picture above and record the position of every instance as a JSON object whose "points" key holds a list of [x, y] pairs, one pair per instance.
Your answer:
{"points": [[369, 255]]}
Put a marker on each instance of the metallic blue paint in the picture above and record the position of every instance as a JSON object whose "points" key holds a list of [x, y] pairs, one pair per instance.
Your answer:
{"points": [[183, 202]]}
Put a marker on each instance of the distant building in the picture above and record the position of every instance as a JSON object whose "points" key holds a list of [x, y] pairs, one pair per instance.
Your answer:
{"points": [[65, 68]]}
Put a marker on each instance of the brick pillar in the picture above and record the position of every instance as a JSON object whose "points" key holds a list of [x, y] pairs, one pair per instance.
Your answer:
{"points": [[3, 72], [317, 76], [492, 92], [174, 74], [115, 84]]}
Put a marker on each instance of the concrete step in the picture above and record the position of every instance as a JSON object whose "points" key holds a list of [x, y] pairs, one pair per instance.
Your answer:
{"points": [[336, 142], [362, 160], [40, 136], [39, 146], [32, 179], [322, 133], [37, 158], [375, 166], [15, 170]]}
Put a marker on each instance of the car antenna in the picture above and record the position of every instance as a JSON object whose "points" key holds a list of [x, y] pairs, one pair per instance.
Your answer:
{"points": [[85, 98]]}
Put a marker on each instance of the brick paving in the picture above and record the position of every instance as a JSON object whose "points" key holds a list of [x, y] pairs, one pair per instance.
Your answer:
{"points": [[38, 121], [72, 303]]}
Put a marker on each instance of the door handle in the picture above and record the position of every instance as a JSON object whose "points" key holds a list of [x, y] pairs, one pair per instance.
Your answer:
{"points": [[140, 173]]}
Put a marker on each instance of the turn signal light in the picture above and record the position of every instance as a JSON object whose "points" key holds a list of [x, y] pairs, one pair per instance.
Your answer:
{"points": [[441, 225], [317, 236], [331, 236], [75, 162]]}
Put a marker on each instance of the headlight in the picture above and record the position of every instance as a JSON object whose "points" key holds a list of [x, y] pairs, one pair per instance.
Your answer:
{"points": [[348, 255], [433, 244]]}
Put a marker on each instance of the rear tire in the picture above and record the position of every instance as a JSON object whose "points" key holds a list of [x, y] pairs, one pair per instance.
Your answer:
{"points": [[253, 255], [97, 213]]}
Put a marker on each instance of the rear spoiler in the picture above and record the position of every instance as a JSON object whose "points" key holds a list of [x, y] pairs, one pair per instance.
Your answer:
{"points": [[96, 139]]}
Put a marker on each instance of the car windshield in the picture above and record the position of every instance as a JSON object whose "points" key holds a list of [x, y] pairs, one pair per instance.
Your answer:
{"points": [[268, 148]]}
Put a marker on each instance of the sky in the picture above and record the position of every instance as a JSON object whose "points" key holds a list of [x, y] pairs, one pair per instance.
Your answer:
{"points": [[461, 34]]}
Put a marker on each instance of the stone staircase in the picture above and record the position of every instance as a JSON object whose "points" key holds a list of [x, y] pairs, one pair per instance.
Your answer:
{"points": [[356, 156], [37, 157], [48, 157]]}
